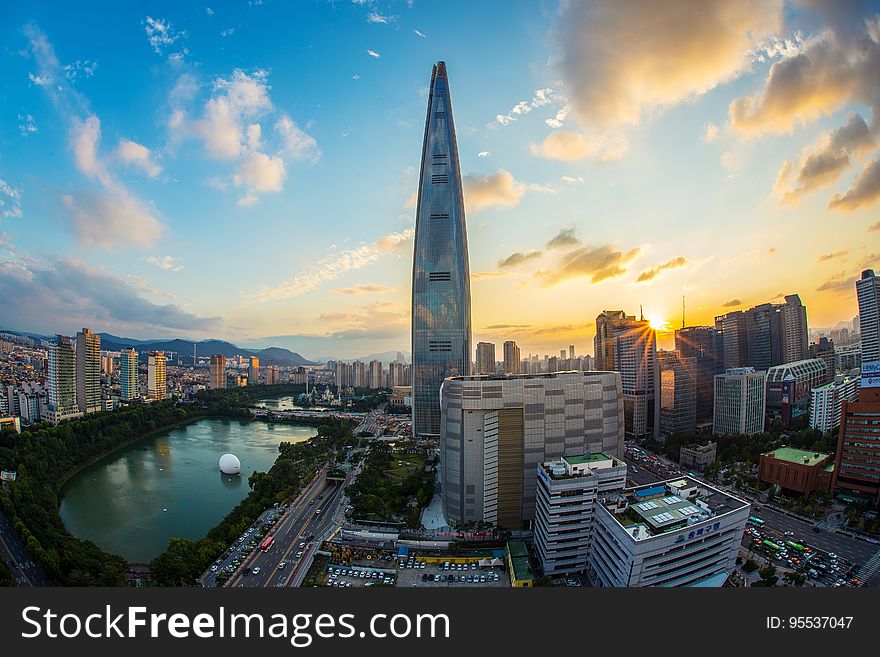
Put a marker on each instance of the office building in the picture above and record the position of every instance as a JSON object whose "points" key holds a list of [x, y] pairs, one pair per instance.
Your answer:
{"points": [[88, 371], [441, 294], [765, 335], [62, 381], [128, 374], [797, 471], [698, 457], [629, 346], [824, 349], [789, 388], [827, 402], [495, 430], [857, 468], [571, 352], [485, 358], [680, 532], [847, 357], [740, 402], [568, 489], [253, 371], [512, 358], [705, 345], [156, 388], [868, 293], [678, 402], [217, 372]]}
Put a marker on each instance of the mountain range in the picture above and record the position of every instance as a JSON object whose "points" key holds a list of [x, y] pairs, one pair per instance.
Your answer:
{"points": [[184, 348]]}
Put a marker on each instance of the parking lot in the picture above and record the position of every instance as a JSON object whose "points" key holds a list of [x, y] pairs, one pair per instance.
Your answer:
{"points": [[418, 573], [356, 576]]}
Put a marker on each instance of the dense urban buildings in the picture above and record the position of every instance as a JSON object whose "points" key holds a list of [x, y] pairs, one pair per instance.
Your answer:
{"points": [[88, 371], [857, 468], [628, 345], [441, 301], [496, 430], [128, 374], [765, 335], [868, 294], [740, 402], [705, 345], [567, 491], [62, 380], [156, 385], [678, 402], [797, 471], [217, 372], [512, 358], [681, 532], [485, 358]]}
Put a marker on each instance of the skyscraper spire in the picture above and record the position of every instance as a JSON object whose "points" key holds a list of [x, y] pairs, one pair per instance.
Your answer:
{"points": [[441, 301]]}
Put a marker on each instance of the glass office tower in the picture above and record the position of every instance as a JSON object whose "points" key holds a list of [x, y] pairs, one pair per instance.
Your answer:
{"points": [[441, 304]]}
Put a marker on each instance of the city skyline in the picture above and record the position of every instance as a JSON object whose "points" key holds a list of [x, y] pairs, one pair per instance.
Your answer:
{"points": [[133, 174]]}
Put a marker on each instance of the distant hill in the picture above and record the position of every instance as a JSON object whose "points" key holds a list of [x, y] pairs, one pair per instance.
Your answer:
{"points": [[184, 348]]}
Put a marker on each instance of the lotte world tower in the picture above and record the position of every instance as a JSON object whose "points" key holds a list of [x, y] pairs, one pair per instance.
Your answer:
{"points": [[441, 301]]}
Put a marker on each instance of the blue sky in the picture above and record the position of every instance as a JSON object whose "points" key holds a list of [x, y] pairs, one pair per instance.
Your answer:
{"points": [[245, 170]]}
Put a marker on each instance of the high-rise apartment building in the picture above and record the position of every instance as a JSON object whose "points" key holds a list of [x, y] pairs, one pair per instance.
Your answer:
{"points": [[678, 402], [156, 387], [253, 371], [628, 345], [88, 371], [496, 430], [107, 364], [512, 358], [377, 379], [868, 293], [571, 352], [359, 374], [217, 372], [740, 402], [62, 380], [441, 306], [705, 345], [793, 325], [128, 374], [485, 358]]}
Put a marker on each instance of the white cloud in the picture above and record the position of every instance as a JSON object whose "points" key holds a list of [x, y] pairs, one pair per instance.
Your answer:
{"points": [[572, 180], [111, 219], [420, 34], [559, 120], [571, 146], [27, 125], [333, 266], [710, 133], [160, 34], [39, 80], [168, 263], [540, 98], [134, 154], [296, 143], [10, 200], [498, 188], [373, 53], [229, 31], [259, 172], [80, 69], [483, 154], [376, 17], [623, 60]]}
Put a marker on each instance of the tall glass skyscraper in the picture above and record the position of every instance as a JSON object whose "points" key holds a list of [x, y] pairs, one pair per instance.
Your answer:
{"points": [[441, 304]]}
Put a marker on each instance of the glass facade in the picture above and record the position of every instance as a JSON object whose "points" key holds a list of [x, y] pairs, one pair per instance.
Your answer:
{"points": [[441, 303]]}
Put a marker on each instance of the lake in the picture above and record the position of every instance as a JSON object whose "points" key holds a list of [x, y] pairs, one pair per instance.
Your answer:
{"points": [[131, 502]]}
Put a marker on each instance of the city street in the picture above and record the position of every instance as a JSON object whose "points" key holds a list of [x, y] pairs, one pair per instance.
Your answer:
{"points": [[299, 531], [25, 571]]}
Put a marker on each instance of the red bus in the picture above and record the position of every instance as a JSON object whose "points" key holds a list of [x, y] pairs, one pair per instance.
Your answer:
{"points": [[266, 543]]}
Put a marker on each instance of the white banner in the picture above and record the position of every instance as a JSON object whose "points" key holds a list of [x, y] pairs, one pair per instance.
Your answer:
{"points": [[871, 374]]}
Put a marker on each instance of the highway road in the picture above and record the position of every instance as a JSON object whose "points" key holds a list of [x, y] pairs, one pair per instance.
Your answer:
{"points": [[301, 529], [23, 568]]}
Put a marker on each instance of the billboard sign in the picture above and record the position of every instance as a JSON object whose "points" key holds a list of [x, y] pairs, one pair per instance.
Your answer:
{"points": [[871, 374]]}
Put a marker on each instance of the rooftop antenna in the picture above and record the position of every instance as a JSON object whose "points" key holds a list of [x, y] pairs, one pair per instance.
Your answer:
{"points": [[682, 311], [194, 355], [642, 313]]}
